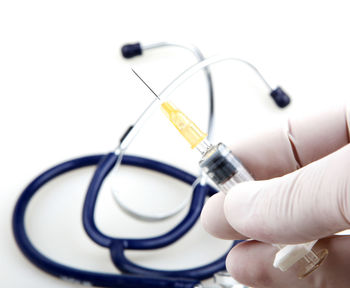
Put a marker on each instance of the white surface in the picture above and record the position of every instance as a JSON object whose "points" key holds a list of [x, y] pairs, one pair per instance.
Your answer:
{"points": [[66, 92]]}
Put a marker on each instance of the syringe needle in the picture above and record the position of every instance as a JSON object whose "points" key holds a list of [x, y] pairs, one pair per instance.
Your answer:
{"points": [[138, 76]]}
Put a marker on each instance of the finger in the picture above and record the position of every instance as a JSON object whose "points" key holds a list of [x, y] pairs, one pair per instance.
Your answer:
{"points": [[281, 151], [310, 203], [250, 263], [214, 221]]}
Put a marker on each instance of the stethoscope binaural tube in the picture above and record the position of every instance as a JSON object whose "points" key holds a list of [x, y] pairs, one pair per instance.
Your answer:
{"points": [[129, 51], [279, 96]]}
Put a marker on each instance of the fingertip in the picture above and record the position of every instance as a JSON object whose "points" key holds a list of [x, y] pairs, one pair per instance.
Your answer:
{"points": [[209, 216], [234, 263], [214, 221], [239, 206], [249, 267]]}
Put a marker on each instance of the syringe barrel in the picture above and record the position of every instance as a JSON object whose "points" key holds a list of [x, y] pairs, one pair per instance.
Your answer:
{"points": [[223, 168]]}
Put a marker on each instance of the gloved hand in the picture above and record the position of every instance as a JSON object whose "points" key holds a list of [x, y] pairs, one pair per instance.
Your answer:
{"points": [[306, 198]]}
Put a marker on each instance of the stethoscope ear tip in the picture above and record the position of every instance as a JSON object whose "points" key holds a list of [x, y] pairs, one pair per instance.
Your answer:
{"points": [[280, 97], [131, 50]]}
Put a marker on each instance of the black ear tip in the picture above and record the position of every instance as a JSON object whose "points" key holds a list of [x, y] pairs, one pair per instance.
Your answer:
{"points": [[131, 50], [280, 97]]}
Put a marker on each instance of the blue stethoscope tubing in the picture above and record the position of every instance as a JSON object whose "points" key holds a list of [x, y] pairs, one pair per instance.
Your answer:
{"points": [[135, 275]]}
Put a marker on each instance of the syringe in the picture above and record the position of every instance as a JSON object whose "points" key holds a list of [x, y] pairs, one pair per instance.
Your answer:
{"points": [[225, 170]]}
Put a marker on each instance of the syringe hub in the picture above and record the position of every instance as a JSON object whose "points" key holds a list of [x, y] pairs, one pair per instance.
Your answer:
{"points": [[183, 124]]}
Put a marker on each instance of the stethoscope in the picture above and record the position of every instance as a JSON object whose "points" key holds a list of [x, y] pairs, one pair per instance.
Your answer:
{"points": [[135, 276]]}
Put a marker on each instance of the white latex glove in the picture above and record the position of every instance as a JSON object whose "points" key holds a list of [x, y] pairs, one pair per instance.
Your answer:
{"points": [[306, 198]]}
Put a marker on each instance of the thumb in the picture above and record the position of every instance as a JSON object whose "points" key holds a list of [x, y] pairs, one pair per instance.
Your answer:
{"points": [[308, 204]]}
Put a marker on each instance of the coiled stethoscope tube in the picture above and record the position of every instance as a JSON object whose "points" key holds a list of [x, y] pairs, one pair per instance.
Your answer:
{"points": [[89, 278]]}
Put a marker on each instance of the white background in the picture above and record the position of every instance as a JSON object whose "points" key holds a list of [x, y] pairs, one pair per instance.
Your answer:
{"points": [[65, 91]]}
